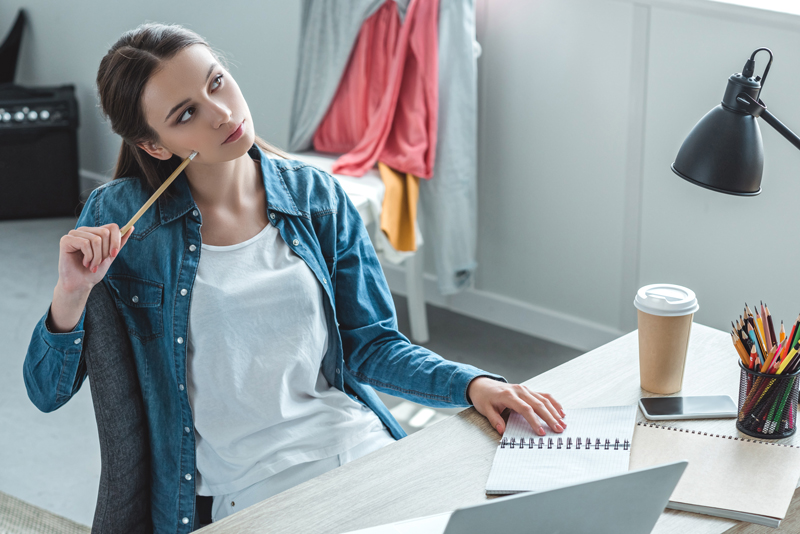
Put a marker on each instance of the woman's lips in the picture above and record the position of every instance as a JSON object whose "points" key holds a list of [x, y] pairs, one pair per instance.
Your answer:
{"points": [[236, 134]]}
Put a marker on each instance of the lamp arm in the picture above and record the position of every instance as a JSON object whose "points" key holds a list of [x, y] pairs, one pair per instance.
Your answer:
{"points": [[759, 109], [773, 121]]}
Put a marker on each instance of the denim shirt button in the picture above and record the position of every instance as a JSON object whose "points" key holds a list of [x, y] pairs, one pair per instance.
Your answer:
{"points": [[180, 387], [183, 292], [180, 341], [185, 520], [195, 213], [188, 476], [295, 242], [337, 370], [324, 281], [272, 216], [77, 341], [192, 248], [186, 429], [135, 299]]}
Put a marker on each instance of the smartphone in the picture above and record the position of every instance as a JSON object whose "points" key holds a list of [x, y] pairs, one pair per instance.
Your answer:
{"points": [[702, 407]]}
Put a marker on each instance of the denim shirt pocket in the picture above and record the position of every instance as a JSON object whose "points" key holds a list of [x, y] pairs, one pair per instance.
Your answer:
{"points": [[140, 303]]}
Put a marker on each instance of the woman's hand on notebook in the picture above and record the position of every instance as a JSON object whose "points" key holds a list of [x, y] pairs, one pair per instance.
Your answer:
{"points": [[492, 397]]}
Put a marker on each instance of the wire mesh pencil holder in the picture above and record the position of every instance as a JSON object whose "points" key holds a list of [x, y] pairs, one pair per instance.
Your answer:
{"points": [[767, 404]]}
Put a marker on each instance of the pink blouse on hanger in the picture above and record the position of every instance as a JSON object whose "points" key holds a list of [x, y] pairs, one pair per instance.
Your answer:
{"points": [[385, 108]]}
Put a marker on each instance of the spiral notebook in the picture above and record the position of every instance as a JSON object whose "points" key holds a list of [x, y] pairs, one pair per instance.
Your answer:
{"points": [[596, 443], [728, 476]]}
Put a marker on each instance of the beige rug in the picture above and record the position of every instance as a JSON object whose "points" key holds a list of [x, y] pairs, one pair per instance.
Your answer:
{"points": [[19, 517]]}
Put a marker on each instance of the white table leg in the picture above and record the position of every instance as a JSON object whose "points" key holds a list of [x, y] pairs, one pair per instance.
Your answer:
{"points": [[417, 314]]}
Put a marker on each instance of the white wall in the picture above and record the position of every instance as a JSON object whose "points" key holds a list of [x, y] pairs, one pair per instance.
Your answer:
{"points": [[583, 106], [729, 249], [552, 153]]}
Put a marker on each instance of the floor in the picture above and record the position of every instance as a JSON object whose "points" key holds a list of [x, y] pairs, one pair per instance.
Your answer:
{"points": [[53, 460]]}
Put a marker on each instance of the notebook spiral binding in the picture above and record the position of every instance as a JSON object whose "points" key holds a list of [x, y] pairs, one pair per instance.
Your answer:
{"points": [[734, 438], [531, 443]]}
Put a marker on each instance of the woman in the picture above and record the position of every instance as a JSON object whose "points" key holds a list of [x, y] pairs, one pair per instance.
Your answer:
{"points": [[258, 358]]}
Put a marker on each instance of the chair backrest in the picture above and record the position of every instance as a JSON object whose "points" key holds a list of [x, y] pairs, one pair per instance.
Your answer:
{"points": [[123, 499]]}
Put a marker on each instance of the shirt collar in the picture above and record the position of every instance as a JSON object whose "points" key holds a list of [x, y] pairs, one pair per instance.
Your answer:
{"points": [[181, 202]]}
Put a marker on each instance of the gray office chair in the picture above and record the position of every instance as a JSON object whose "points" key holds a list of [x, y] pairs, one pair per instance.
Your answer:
{"points": [[123, 500]]}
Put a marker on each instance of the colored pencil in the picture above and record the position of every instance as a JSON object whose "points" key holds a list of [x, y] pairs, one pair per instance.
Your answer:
{"points": [[770, 358], [791, 337], [752, 333], [762, 322], [771, 326], [789, 357], [739, 348], [760, 333]]}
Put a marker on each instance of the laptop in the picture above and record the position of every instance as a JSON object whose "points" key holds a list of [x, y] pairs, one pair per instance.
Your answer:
{"points": [[631, 502]]}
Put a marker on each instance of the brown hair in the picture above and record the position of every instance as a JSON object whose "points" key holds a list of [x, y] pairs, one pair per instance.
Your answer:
{"points": [[121, 79]]}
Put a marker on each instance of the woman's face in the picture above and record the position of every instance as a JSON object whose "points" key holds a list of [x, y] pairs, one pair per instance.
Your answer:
{"points": [[193, 103]]}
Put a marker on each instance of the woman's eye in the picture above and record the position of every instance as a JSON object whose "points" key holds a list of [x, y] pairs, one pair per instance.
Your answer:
{"points": [[181, 120]]}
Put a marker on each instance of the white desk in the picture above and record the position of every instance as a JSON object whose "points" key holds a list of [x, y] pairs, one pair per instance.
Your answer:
{"points": [[445, 466], [366, 193]]}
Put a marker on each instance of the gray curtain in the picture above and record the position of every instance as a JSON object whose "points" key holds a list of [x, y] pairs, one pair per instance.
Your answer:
{"points": [[448, 201]]}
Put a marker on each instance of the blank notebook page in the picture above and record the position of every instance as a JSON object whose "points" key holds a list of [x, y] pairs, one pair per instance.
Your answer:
{"points": [[516, 469]]}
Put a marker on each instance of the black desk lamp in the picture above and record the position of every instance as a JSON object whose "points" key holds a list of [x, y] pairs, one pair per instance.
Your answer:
{"points": [[724, 151]]}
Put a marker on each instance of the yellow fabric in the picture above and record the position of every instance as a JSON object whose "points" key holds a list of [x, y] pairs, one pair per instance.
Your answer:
{"points": [[399, 212]]}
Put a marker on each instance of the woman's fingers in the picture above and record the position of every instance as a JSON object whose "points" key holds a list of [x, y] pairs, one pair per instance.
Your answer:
{"points": [[91, 246], [555, 403], [114, 239], [95, 241], [528, 412], [495, 419], [547, 404], [74, 243], [103, 242], [536, 406]]}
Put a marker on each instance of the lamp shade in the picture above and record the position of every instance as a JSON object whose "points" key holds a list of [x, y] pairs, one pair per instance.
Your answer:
{"points": [[724, 151]]}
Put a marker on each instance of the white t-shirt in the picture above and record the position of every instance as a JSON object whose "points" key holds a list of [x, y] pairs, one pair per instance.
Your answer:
{"points": [[257, 336]]}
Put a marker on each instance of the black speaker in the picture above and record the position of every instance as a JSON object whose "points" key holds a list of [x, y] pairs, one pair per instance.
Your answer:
{"points": [[38, 152]]}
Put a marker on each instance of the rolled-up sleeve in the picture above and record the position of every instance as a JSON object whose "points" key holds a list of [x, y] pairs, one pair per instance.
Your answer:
{"points": [[375, 352]]}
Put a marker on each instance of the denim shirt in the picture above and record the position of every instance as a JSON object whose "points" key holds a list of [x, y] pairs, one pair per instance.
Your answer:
{"points": [[151, 281]]}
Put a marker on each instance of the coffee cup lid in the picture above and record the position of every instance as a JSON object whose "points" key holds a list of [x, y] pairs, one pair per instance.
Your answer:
{"points": [[667, 300]]}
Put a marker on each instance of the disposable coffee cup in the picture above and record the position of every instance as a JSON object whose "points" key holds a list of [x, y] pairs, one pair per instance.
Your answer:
{"points": [[665, 321]]}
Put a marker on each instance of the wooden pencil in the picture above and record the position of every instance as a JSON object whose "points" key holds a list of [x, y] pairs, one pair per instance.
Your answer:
{"points": [[157, 194], [740, 349], [764, 330], [771, 327]]}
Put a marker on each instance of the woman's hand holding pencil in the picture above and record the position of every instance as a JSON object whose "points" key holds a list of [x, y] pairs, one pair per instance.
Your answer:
{"points": [[85, 254], [84, 258]]}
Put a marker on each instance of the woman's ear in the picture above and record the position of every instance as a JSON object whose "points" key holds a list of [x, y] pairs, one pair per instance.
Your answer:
{"points": [[155, 150]]}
